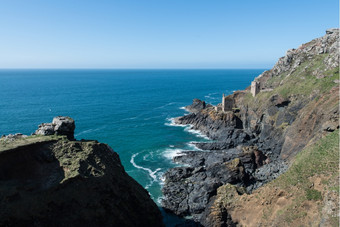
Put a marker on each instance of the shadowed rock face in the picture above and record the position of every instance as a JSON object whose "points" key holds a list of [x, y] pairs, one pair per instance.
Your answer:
{"points": [[52, 181], [31, 166]]}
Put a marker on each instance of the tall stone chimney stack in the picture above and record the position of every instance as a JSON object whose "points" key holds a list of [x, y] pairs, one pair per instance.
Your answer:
{"points": [[255, 88]]}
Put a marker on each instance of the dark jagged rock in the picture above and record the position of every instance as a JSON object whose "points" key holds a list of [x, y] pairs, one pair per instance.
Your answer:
{"points": [[216, 125], [59, 126], [197, 105], [216, 213], [207, 172], [206, 158], [188, 190], [53, 181]]}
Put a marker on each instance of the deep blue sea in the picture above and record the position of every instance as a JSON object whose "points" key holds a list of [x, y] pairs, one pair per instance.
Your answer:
{"points": [[130, 110]]}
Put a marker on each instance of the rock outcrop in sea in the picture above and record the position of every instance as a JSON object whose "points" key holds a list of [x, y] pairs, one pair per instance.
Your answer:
{"points": [[257, 138], [50, 179]]}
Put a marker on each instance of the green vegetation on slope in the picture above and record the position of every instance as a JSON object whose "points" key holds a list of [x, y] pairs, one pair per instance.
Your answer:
{"points": [[7, 143], [303, 82], [310, 77], [320, 159], [317, 162]]}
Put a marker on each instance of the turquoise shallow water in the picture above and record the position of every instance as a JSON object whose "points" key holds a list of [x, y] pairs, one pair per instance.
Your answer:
{"points": [[131, 110]]}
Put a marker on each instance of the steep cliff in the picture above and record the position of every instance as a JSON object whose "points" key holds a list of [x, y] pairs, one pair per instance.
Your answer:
{"points": [[53, 181], [297, 104]]}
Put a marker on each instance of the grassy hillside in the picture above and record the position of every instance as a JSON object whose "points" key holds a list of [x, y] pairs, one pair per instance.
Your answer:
{"points": [[310, 77]]}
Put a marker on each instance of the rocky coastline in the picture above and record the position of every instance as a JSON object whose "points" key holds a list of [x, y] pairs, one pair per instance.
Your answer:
{"points": [[52, 179], [257, 138], [232, 157]]}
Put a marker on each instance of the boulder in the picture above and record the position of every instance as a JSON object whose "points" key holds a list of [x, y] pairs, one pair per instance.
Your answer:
{"points": [[59, 126]]}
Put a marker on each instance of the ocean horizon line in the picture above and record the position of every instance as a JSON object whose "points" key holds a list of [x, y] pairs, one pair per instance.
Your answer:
{"points": [[126, 69]]}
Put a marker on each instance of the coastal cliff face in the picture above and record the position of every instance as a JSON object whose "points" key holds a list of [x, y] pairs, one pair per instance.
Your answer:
{"points": [[49, 180], [297, 105]]}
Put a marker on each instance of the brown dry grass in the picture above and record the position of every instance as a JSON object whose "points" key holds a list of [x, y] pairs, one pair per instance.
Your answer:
{"points": [[306, 195]]}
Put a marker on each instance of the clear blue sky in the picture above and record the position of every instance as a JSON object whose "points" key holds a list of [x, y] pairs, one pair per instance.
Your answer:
{"points": [[158, 33]]}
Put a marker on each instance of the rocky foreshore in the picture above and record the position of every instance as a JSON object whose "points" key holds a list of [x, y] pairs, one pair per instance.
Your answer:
{"points": [[50, 179], [257, 132], [232, 157]]}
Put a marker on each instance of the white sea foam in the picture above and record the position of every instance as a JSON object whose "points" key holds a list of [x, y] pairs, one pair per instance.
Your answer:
{"points": [[195, 132], [148, 118], [171, 122], [89, 130], [171, 153], [129, 118], [210, 97], [159, 200], [187, 128], [168, 104], [185, 109], [84, 132], [145, 157], [151, 173], [160, 177], [193, 146], [148, 156]]}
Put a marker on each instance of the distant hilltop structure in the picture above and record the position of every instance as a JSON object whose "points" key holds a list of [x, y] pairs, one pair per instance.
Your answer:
{"points": [[227, 104], [255, 88]]}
